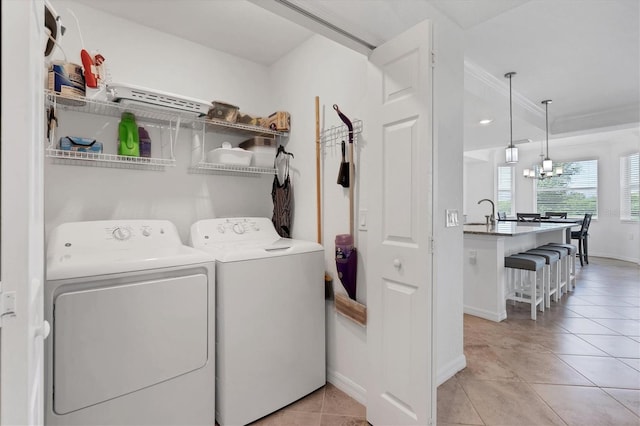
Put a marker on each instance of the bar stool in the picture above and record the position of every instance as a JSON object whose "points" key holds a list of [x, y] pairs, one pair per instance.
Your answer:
{"points": [[519, 289], [552, 259], [572, 256], [564, 265]]}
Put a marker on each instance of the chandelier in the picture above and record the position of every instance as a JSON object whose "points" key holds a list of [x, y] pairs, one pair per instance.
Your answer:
{"points": [[544, 170]]}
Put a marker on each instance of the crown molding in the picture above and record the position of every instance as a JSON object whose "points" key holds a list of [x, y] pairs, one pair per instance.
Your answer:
{"points": [[476, 75], [625, 116]]}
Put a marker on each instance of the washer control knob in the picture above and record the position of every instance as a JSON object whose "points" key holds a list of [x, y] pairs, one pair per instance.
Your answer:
{"points": [[146, 232], [121, 234], [221, 229], [238, 228]]}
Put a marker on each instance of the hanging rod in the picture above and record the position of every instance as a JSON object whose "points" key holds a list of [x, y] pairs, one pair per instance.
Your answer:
{"points": [[324, 23]]}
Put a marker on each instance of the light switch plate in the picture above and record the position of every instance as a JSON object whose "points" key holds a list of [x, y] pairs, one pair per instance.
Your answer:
{"points": [[451, 218], [362, 220]]}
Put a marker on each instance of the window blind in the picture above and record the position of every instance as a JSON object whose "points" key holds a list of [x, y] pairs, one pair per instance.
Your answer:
{"points": [[574, 192], [505, 190], [630, 187]]}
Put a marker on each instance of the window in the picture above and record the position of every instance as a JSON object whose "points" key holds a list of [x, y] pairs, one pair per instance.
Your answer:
{"points": [[629, 187], [505, 190], [574, 192]]}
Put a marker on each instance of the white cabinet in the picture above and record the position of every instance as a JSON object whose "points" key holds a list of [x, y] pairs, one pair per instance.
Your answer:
{"points": [[169, 122]]}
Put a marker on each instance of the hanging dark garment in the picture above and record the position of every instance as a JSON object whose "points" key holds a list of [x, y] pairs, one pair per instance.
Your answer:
{"points": [[282, 196]]}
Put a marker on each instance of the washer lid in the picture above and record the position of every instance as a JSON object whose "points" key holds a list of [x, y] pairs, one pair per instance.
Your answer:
{"points": [[230, 252], [245, 238], [83, 249]]}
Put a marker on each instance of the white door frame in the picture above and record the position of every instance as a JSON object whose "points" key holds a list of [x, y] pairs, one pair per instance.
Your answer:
{"points": [[22, 212]]}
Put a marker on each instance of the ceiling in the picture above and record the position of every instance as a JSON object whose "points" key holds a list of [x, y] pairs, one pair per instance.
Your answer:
{"points": [[582, 54]]}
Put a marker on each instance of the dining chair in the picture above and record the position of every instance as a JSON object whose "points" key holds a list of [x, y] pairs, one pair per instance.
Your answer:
{"points": [[502, 216], [558, 215], [528, 217], [583, 237]]}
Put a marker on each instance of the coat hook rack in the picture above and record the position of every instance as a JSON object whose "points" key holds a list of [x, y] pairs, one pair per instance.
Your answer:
{"points": [[333, 135]]}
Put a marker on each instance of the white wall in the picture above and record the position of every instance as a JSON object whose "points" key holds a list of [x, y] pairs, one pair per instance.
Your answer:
{"points": [[448, 131], [608, 235], [145, 57], [320, 67], [21, 350]]}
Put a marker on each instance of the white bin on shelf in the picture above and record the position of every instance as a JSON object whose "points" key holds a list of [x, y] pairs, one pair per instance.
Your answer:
{"points": [[235, 156]]}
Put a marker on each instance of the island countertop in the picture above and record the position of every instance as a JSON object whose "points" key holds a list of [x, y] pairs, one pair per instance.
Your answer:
{"points": [[511, 229], [485, 247]]}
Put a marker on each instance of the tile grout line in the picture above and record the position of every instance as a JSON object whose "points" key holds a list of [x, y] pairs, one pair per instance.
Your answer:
{"points": [[484, 423]]}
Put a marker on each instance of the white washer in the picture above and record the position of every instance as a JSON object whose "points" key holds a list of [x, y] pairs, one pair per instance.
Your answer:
{"points": [[270, 317], [133, 323]]}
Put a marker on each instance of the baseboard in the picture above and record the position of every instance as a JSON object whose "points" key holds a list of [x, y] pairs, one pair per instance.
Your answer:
{"points": [[347, 386], [450, 369], [491, 316], [615, 257]]}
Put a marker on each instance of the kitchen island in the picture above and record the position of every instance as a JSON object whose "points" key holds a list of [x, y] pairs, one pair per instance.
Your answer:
{"points": [[485, 247]]}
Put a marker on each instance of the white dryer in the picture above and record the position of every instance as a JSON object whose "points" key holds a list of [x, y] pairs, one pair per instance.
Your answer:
{"points": [[270, 317], [133, 331]]}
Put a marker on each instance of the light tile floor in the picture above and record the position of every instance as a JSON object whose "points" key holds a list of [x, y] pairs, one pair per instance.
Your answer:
{"points": [[328, 406], [578, 364]]}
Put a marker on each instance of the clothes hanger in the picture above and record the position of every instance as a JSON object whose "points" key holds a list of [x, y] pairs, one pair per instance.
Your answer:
{"points": [[282, 150]]}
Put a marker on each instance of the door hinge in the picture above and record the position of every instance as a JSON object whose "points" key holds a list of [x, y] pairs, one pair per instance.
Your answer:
{"points": [[432, 243], [433, 59], [7, 305]]}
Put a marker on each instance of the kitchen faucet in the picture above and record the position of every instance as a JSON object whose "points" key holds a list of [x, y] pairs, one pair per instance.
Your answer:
{"points": [[493, 210]]}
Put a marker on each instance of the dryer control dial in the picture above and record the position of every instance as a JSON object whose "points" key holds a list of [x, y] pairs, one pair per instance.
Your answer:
{"points": [[238, 228], [121, 234]]}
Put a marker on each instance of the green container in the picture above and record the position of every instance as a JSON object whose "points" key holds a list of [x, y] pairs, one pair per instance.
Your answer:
{"points": [[128, 139]]}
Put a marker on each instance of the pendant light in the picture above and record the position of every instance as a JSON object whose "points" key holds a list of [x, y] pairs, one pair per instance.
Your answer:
{"points": [[547, 164], [511, 152]]}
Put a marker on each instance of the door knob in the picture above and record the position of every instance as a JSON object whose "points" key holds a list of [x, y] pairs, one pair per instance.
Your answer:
{"points": [[44, 330], [397, 263]]}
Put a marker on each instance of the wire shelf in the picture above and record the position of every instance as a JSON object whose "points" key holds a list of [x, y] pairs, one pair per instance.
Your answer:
{"points": [[115, 109], [154, 113], [340, 133], [219, 125], [175, 119], [204, 167], [108, 160]]}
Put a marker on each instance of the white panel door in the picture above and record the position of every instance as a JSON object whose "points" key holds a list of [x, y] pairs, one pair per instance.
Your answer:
{"points": [[22, 244], [400, 291]]}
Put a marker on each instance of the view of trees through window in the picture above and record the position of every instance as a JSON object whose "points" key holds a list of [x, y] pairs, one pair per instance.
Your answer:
{"points": [[574, 192], [505, 190], [630, 187]]}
